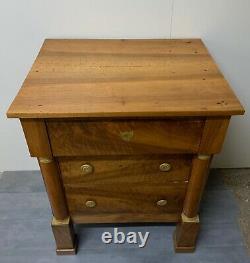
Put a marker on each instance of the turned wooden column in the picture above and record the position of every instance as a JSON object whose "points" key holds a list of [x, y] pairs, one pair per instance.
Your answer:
{"points": [[51, 178], [211, 142], [61, 224], [187, 230], [39, 146], [196, 184]]}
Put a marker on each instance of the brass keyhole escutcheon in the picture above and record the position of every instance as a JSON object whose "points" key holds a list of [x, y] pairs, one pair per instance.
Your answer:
{"points": [[87, 168], [165, 167], [161, 202], [90, 204], [127, 135]]}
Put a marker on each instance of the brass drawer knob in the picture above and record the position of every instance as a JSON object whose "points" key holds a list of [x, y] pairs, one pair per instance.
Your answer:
{"points": [[90, 203], [162, 202], [165, 167], [87, 168], [127, 135]]}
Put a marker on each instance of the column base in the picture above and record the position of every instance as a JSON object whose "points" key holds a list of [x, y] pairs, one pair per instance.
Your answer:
{"points": [[186, 234], [68, 251], [179, 249], [66, 240]]}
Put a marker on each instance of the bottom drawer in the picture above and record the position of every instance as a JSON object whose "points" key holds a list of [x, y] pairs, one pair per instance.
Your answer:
{"points": [[127, 201]]}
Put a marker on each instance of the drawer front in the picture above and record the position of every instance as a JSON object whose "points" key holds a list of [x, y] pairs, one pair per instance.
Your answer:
{"points": [[147, 188], [167, 169], [88, 138], [124, 199]]}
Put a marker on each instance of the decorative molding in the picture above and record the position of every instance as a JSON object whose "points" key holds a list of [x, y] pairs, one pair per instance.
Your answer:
{"points": [[203, 156], [186, 219], [45, 160], [56, 222]]}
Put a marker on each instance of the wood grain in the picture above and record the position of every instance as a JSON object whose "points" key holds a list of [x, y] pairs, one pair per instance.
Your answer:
{"points": [[197, 182], [36, 137], [123, 198], [136, 170], [85, 138], [86, 218], [185, 235], [64, 236], [54, 188], [213, 135], [117, 78], [124, 107]]}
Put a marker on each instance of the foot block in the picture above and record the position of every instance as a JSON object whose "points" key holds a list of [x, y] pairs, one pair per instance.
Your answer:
{"points": [[66, 240], [186, 234]]}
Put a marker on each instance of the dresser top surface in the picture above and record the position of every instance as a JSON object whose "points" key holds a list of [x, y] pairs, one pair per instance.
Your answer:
{"points": [[124, 78]]}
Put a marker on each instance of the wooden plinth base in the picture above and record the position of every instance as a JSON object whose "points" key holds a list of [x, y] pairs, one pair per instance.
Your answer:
{"points": [[186, 234], [66, 240], [68, 251], [179, 249]]}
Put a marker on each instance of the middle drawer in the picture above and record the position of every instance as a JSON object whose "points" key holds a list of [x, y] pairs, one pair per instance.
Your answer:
{"points": [[136, 169]]}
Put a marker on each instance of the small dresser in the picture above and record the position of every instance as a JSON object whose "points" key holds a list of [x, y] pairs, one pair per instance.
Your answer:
{"points": [[124, 131]]}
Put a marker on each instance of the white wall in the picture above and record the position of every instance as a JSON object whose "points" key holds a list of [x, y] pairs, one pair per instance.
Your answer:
{"points": [[223, 25]]}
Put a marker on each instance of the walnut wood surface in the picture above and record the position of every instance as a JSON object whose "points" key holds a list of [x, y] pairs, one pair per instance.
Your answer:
{"points": [[213, 135], [185, 236], [83, 138], [197, 181], [54, 188], [36, 137], [119, 198], [125, 107], [64, 236], [126, 189], [87, 218], [136, 170], [100, 78]]}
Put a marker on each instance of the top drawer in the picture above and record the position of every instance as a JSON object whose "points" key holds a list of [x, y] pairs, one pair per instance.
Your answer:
{"points": [[87, 138]]}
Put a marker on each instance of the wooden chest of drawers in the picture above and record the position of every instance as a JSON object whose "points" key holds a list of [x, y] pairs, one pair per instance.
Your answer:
{"points": [[124, 131]]}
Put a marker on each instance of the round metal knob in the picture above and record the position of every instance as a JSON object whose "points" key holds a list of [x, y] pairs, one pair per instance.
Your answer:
{"points": [[165, 167], [87, 168], [90, 203], [162, 202]]}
